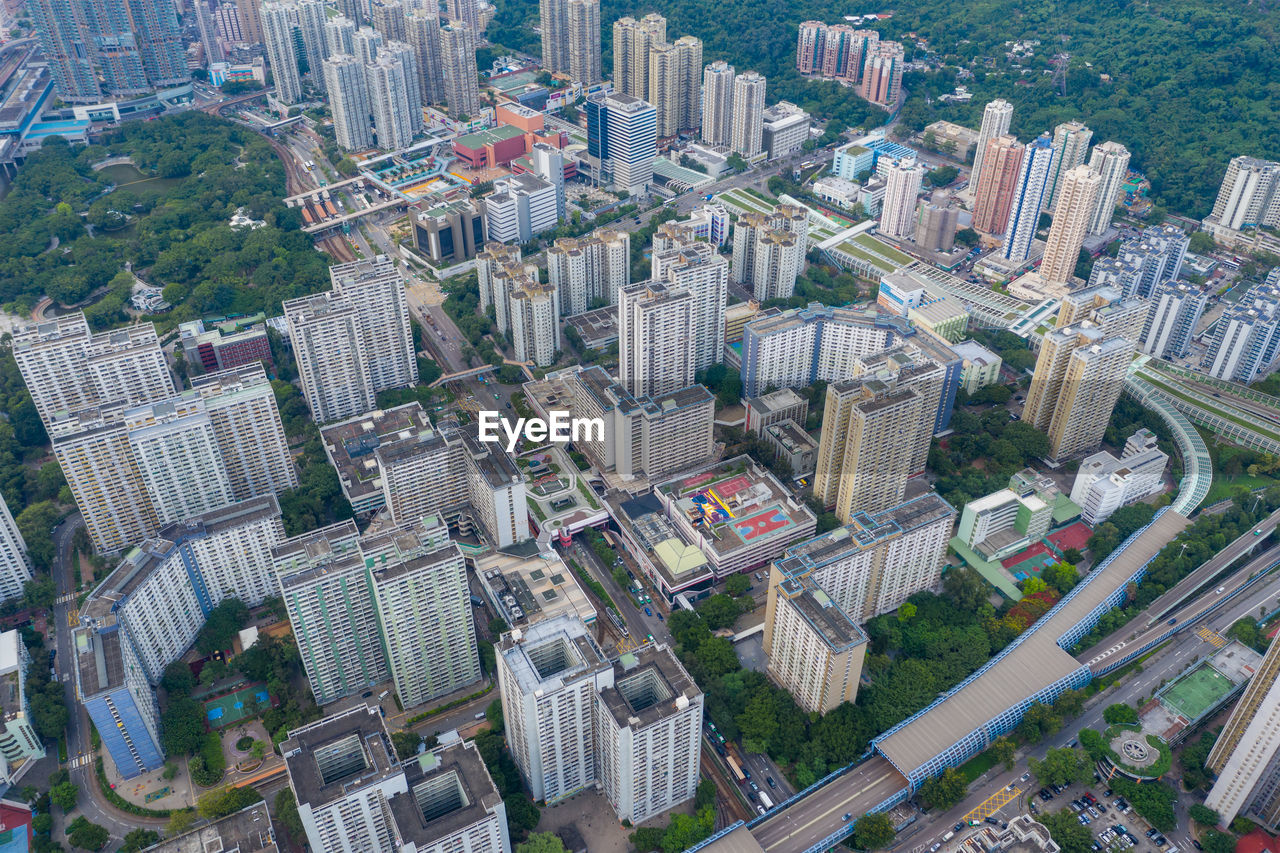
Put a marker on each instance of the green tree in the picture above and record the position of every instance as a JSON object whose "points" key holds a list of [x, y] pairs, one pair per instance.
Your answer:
{"points": [[1201, 242], [1068, 832], [720, 611], [87, 836], [738, 585], [229, 800], [1039, 722], [945, 790], [1061, 767], [1004, 750], [286, 811], [873, 832], [64, 795], [35, 523], [222, 626], [1070, 703], [177, 679], [1218, 842], [1120, 713], [942, 175], [183, 819], [1204, 815], [541, 842], [182, 726], [139, 839], [406, 743]]}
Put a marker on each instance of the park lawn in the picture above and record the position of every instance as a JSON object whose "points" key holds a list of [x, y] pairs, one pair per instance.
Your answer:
{"points": [[979, 764]]}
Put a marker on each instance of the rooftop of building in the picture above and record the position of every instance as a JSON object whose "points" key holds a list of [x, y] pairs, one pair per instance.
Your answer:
{"points": [[365, 268], [99, 662], [775, 401], [649, 685], [490, 135], [493, 462], [938, 311], [532, 588], [974, 352], [353, 445], [450, 789], [865, 530], [1003, 497], [824, 616], [329, 758], [246, 831], [316, 305], [735, 504], [792, 437], [230, 379], [549, 654], [814, 312], [315, 550], [597, 328]]}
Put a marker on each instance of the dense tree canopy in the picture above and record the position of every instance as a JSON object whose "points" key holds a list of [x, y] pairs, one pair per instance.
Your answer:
{"points": [[177, 239]]}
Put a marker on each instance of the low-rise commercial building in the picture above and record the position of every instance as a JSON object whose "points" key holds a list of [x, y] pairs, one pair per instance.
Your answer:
{"points": [[1104, 483], [774, 408], [1004, 522], [230, 343], [526, 586], [979, 366], [736, 513], [450, 233]]}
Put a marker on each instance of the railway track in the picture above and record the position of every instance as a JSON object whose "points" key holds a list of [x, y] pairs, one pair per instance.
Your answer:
{"points": [[337, 247]]}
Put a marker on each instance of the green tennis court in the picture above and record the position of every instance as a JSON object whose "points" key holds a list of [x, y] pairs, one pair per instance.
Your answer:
{"points": [[231, 708], [1196, 692]]}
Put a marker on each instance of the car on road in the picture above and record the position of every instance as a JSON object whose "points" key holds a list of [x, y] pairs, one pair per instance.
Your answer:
{"points": [[847, 817], [957, 827], [772, 784], [648, 612]]}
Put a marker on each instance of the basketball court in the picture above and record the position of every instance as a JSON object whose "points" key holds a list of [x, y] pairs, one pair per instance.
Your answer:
{"points": [[231, 708]]}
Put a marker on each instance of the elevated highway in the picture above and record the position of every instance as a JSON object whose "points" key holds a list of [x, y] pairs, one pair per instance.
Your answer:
{"points": [[1171, 612]]}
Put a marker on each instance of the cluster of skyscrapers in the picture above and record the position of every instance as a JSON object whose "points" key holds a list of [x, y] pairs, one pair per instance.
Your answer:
{"points": [[853, 56], [576, 719], [100, 49], [354, 340], [138, 453]]}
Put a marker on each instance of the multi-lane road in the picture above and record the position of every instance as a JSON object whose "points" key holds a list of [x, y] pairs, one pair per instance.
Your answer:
{"points": [[1153, 621], [823, 812]]}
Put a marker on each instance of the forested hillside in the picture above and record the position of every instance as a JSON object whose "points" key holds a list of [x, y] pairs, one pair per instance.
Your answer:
{"points": [[1193, 82]]}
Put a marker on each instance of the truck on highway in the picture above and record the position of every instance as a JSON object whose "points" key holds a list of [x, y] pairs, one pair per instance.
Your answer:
{"points": [[737, 771], [765, 801]]}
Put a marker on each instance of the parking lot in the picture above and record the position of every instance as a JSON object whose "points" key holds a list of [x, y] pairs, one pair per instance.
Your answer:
{"points": [[1113, 822]]}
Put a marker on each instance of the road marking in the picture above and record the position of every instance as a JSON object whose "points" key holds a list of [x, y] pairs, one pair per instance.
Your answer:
{"points": [[1211, 636], [993, 803], [65, 597], [73, 618], [840, 806], [79, 761]]}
